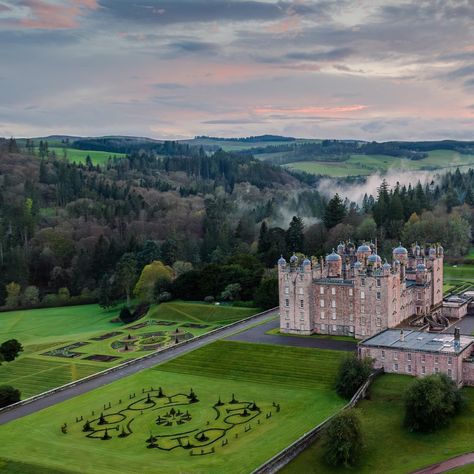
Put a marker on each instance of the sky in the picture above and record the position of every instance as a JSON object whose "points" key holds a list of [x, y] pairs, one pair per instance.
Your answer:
{"points": [[362, 69]]}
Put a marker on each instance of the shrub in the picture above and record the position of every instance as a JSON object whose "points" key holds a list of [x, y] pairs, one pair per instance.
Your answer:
{"points": [[125, 315], [342, 442], [231, 292], [352, 373], [10, 349], [8, 395], [431, 402]]}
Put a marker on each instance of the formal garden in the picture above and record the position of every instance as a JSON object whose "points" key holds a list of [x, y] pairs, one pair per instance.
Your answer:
{"points": [[247, 403], [64, 344]]}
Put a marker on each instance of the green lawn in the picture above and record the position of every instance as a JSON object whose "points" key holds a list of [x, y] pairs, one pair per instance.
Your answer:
{"points": [[79, 156], [389, 448], [463, 272], [362, 165], [252, 372], [45, 333]]}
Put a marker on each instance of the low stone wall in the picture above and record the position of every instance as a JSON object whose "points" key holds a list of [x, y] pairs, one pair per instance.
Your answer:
{"points": [[280, 460], [132, 362]]}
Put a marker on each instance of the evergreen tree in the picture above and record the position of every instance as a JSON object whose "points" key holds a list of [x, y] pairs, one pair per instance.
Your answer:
{"points": [[335, 212], [105, 292], [295, 235]]}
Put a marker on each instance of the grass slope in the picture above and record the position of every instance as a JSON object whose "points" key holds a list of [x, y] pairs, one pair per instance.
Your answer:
{"points": [[42, 330], [37, 442], [79, 156], [390, 448]]}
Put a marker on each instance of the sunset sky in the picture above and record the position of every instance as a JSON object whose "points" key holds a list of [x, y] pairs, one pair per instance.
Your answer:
{"points": [[366, 69]]}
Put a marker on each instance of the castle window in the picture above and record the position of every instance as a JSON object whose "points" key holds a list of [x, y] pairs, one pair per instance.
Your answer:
{"points": [[436, 361], [362, 281], [322, 315], [351, 317], [287, 290], [395, 356], [321, 302], [450, 373], [450, 360], [287, 325], [423, 358], [436, 370], [333, 316], [378, 321], [378, 295], [395, 367], [362, 332], [301, 316], [333, 291], [334, 327], [362, 295], [409, 356], [423, 369], [287, 314], [333, 303], [378, 282], [301, 291], [287, 277], [287, 302], [301, 277], [383, 354], [362, 321], [409, 369], [301, 304], [350, 292], [321, 290], [323, 327], [351, 328]]}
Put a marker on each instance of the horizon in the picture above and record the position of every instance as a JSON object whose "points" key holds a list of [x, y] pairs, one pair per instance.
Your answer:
{"points": [[371, 71]]}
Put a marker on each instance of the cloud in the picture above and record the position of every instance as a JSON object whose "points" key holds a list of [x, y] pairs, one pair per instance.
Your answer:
{"points": [[169, 85], [194, 46], [309, 110], [48, 15], [331, 55]]}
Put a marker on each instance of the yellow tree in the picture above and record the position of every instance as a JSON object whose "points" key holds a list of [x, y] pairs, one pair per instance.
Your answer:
{"points": [[151, 274]]}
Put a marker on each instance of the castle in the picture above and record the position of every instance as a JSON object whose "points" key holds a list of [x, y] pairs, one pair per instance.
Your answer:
{"points": [[352, 293]]}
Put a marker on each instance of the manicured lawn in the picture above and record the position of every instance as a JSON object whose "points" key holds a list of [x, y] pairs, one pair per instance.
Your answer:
{"points": [[59, 342], [256, 373], [79, 156], [459, 272], [389, 448]]}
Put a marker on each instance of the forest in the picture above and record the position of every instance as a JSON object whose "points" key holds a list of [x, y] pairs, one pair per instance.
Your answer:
{"points": [[216, 223]]}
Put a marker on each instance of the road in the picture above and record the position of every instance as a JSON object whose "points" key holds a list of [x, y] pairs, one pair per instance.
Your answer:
{"points": [[132, 368], [257, 335], [448, 465]]}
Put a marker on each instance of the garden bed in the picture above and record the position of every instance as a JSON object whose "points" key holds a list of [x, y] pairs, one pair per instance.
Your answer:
{"points": [[101, 358], [106, 336]]}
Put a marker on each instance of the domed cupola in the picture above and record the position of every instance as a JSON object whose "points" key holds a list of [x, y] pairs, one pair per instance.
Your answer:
{"points": [[400, 250], [281, 261], [374, 258], [306, 262], [333, 257], [357, 265], [421, 267], [364, 248], [293, 259], [386, 266], [341, 248]]}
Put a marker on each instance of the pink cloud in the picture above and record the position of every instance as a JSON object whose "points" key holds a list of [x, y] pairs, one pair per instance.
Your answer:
{"points": [[303, 111], [50, 16]]}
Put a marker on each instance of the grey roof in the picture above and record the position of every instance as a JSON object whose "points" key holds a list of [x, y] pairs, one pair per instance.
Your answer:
{"points": [[333, 257], [400, 250], [364, 248], [418, 341]]}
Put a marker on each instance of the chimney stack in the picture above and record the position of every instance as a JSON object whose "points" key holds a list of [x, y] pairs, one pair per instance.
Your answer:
{"points": [[402, 336], [457, 337]]}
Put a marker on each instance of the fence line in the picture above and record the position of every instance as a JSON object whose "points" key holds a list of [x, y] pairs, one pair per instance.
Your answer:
{"points": [[132, 362], [281, 459]]}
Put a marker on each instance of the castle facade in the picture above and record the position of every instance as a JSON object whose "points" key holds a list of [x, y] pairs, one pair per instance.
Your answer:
{"points": [[352, 293]]}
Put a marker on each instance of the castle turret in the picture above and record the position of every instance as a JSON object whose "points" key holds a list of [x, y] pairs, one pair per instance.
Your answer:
{"points": [[363, 252], [334, 265]]}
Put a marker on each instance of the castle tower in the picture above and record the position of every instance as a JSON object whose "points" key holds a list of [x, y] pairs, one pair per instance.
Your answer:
{"points": [[401, 254], [334, 265]]}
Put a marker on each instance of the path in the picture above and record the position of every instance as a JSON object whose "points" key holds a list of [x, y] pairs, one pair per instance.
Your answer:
{"points": [[257, 335], [132, 368], [445, 466]]}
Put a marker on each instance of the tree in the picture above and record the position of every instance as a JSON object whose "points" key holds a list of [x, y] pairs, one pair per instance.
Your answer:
{"points": [[431, 402], [13, 294], [367, 230], [105, 292], [352, 373], [126, 315], [180, 267], [231, 292], [295, 235], [266, 295], [63, 294], [10, 349], [30, 296], [335, 212], [8, 395], [343, 441], [145, 288], [127, 274]]}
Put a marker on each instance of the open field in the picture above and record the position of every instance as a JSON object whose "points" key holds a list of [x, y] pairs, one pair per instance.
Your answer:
{"points": [[237, 437], [65, 344], [363, 165], [389, 448], [79, 156]]}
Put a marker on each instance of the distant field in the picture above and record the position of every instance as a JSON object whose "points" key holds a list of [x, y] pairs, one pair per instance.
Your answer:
{"points": [[79, 156], [251, 373], [362, 165], [389, 448], [49, 336], [229, 145]]}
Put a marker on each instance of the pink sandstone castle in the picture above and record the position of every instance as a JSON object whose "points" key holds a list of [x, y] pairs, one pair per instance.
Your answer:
{"points": [[352, 293]]}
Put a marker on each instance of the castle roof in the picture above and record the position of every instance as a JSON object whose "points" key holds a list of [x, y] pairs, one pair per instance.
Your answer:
{"points": [[333, 257]]}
